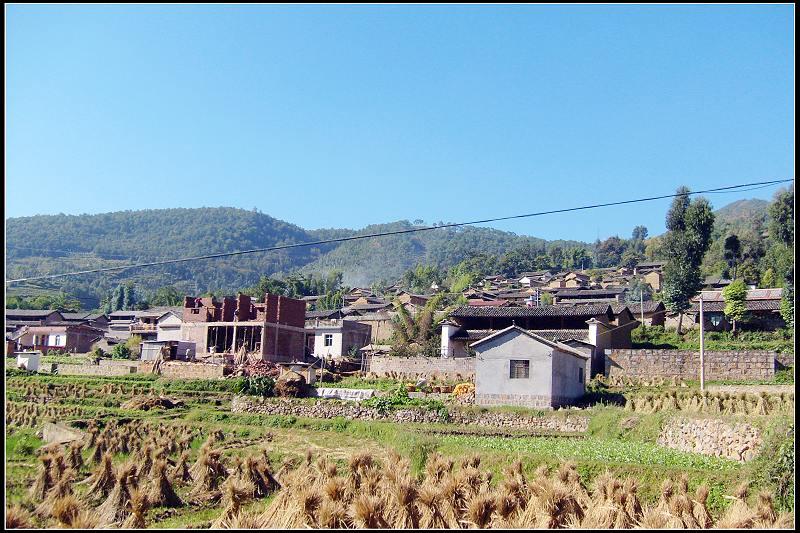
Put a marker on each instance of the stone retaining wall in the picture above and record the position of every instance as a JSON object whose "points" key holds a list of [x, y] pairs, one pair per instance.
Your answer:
{"points": [[686, 364], [427, 367], [327, 409], [738, 441], [784, 360], [97, 370], [185, 370]]}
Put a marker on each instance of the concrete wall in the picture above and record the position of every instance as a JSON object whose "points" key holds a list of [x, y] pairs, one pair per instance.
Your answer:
{"points": [[169, 329], [566, 386], [423, 366], [334, 350], [686, 364], [345, 335], [493, 386]]}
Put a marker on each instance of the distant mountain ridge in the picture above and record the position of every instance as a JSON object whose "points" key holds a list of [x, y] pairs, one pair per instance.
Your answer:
{"points": [[743, 210], [46, 244]]}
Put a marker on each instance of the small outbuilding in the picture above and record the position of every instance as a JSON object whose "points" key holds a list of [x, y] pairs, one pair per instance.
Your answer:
{"points": [[516, 367]]}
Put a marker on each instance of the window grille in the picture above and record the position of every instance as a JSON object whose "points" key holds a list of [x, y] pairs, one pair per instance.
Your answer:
{"points": [[520, 369]]}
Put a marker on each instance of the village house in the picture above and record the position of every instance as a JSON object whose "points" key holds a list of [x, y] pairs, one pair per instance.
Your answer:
{"points": [[648, 266], [763, 311], [96, 320], [64, 337], [168, 325], [517, 367], [534, 279], [651, 313], [119, 324], [16, 318], [380, 323], [596, 327], [337, 338], [412, 302], [611, 295], [274, 328]]}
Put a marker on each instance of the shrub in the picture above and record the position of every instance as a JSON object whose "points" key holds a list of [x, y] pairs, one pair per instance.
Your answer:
{"points": [[120, 351], [257, 386], [785, 376]]}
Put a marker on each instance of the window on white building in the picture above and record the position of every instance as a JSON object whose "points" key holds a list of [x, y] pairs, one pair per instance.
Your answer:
{"points": [[519, 369], [328, 339], [57, 341]]}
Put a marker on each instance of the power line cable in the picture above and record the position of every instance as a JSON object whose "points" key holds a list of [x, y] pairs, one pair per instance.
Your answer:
{"points": [[396, 232]]}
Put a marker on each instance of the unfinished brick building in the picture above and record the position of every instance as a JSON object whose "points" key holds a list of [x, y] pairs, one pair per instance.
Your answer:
{"points": [[273, 328]]}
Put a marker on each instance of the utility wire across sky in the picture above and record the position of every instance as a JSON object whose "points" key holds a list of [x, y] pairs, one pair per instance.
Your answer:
{"points": [[728, 188]]}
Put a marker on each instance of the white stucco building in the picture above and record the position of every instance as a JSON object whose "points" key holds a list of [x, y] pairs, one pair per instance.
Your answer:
{"points": [[516, 367], [337, 338]]}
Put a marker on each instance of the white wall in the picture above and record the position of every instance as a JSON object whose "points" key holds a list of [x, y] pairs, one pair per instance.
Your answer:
{"points": [[492, 366], [565, 375], [334, 350]]}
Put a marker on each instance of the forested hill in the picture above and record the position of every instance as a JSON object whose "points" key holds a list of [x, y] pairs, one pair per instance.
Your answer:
{"points": [[61, 243], [742, 212], [47, 244], [387, 258]]}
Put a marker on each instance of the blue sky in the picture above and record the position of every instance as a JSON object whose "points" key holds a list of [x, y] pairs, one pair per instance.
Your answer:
{"points": [[343, 116]]}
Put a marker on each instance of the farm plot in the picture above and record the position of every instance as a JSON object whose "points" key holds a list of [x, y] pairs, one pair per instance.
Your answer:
{"points": [[199, 465]]}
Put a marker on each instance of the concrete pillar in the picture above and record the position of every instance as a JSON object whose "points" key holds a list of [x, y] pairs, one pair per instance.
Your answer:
{"points": [[448, 329]]}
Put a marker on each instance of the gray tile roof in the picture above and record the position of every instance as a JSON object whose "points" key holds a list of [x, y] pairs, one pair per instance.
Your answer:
{"points": [[588, 310], [649, 307], [555, 335], [611, 291], [751, 305], [30, 312]]}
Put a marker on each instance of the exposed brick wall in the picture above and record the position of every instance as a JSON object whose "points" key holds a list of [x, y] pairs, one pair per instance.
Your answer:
{"points": [[424, 366], [686, 364], [184, 370]]}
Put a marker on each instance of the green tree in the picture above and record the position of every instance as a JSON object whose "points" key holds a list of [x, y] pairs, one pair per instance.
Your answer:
{"points": [[331, 300], [638, 290], [167, 296], [557, 257], [579, 258], [688, 237], [733, 252], [267, 285], [630, 258], [420, 278], [735, 296], [609, 252], [767, 279], [787, 306], [781, 217]]}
